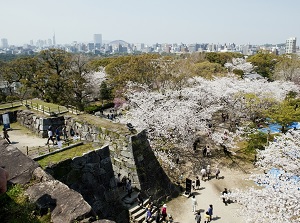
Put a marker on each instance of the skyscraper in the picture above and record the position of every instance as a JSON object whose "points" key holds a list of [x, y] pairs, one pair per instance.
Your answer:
{"points": [[97, 41], [4, 43], [54, 42], [290, 45]]}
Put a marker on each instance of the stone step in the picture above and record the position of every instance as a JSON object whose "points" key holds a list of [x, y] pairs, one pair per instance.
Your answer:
{"points": [[136, 207], [142, 218]]}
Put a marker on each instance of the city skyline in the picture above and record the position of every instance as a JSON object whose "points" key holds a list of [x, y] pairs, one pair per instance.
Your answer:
{"points": [[215, 21]]}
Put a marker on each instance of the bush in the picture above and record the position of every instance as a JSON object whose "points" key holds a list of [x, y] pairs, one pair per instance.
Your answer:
{"points": [[95, 108]]}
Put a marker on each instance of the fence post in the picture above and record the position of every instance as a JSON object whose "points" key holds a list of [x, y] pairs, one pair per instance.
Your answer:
{"points": [[58, 110], [43, 109], [49, 110], [31, 103], [27, 150]]}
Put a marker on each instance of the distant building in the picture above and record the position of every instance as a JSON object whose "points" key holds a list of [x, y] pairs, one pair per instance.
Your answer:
{"points": [[4, 43], [54, 41], [98, 41], [290, 45]]}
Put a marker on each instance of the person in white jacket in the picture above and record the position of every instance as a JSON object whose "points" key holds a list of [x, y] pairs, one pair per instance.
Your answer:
{"points": [[194, 203]]}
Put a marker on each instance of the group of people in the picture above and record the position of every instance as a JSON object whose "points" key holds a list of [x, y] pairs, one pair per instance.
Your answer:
{"points": [[207, 216], [59, 131], [206, 173]]}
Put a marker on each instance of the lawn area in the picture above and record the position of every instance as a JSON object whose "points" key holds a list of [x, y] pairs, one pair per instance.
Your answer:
{"points": [[47, 106], [70, 153], [10, 105]]}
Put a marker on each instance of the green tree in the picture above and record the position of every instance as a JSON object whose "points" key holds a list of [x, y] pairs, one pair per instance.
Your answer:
{"points": [[285, 112], [221, 58], [264, 63], [105, 92], [207, 69]]}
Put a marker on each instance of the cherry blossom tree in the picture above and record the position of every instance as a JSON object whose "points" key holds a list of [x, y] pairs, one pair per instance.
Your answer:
{"points": [[174, 117], [278, 198]]}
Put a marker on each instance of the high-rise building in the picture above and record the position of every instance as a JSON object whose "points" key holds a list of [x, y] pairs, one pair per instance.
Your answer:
{"points": [[290, 45], [4, 43], [97, 41], [54, 42]]}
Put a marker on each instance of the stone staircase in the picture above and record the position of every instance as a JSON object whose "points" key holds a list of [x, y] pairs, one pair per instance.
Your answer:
{"points": [[137, 213]]}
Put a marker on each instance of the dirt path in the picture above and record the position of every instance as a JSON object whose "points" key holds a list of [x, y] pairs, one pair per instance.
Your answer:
{"points": [[210, 192], [23, 138]]}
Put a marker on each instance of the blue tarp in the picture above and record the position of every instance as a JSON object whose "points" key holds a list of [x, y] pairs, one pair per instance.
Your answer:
{"points": [[276, 128]]}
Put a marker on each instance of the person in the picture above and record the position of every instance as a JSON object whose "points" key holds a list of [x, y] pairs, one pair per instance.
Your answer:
{"points": [[118, 180], [198, 217], [210, 212], [3, 180], [57, 134], [197, 183], [177, 159], [208, 151], [123, 181], [208, 171], [50, 136], [194, 185], [224, 194], [217, 173], [194, 203], [157, 217], [164, 212], [140, 199], [72, 132], [203, 173], [5, 135], [180, 178], [148, 215], [204, 151], [129, 188], [150, 206], [64, 132], [207, 218]]}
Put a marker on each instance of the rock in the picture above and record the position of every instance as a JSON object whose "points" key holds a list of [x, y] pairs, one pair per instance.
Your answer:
{"points": [[65, 204], [19, 166]]}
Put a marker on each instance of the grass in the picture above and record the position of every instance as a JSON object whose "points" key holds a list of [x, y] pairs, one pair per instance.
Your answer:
{"points": [[9, 105], [70, 153], [15, 207], [104, 123]]}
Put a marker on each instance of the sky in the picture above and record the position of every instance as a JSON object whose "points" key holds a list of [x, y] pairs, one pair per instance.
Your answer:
{"points": [[150, 21]]}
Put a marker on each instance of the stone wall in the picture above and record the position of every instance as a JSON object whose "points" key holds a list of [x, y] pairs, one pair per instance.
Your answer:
{"points": [[93, 177], [65, 204]]}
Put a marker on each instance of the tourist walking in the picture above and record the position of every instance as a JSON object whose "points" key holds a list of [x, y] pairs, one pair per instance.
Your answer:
{"points": [[207, 218], [208, 171], [148, 215], [50, 136], [204, 152], [64, 132], [203, 173], [217, 173], [140, 199], [198, 217], [129, 188], [5, 135], [194, 203], [224, 193], [197, 183], [210, 212], [164, 212]]}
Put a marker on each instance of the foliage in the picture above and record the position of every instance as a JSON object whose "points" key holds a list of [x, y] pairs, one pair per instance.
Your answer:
{"points": [[288, 69], [221, 58], [264, 63], [105, 91], [208, 70], [15, 208], [238, 72], [257, 140], [285, 113]]}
